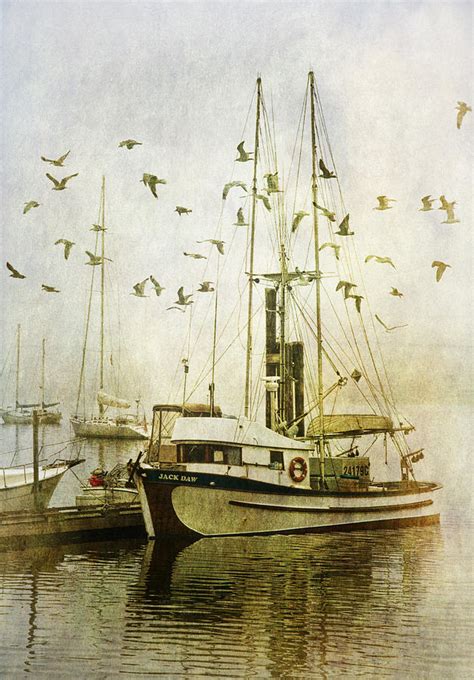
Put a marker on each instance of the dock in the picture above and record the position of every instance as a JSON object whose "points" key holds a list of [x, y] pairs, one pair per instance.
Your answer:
{"points": [[19, 530]]}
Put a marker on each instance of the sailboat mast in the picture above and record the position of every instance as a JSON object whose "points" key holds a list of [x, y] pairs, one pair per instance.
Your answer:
{"points": [[42, 372], [102, 296], [17, 384], [248, 362], [318, 276]]}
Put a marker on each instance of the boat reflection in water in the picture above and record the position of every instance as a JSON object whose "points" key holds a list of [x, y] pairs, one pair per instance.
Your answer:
{"points": [[367, 603]]}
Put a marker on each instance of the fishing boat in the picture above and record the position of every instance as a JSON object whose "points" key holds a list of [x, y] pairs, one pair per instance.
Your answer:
{"points": [[106, 488], [115, 424], [22, 414], [17, 484], [311, 467]]}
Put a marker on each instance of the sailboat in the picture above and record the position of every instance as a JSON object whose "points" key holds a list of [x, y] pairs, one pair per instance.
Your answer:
{"points": [[23, 413], [124, 425], [17, 484], [308, 469]]}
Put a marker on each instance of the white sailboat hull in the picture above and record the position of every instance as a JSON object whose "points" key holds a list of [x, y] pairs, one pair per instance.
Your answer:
{"points": [[26, 418], [16, 486], [105, 428], [196, 510]]}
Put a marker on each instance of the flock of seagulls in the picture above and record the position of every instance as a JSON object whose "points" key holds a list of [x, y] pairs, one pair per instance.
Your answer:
{"points": [[152, 181]]}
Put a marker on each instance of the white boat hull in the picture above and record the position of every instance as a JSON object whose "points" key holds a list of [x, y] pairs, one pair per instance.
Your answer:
{"points": [[107, 429], [192, 509], [19, 418], [16, 486]]}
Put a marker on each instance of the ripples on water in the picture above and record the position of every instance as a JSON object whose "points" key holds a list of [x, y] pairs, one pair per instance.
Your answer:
{"points": [[382, 604], [385, 604]]}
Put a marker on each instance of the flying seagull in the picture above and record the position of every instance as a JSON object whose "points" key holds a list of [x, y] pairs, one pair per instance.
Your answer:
{"points": [[297, 217], [343, 229], [327, 213], [29, 205], [129, 143], [243, 155], [177, 308], [49, 289], [272, 183], [396, 293], [67, 246], [264, 200], [445, 204], [183, 299], [215, 242], [462, 109], [440, 268], [14, 273], [358, 299], [59, 162], [139, 289], [151, 181], [389, 328], [334, 246], [383, 203], [240, 219], [158, 289], [451, 218], [182, 211], [60, 185], [347, 285], [380, 260], [97, 227], [325, 173], [95, 259], [231, 185], [427, 202], [356, 375], [206, 287], [304, 278], [196, 256]]}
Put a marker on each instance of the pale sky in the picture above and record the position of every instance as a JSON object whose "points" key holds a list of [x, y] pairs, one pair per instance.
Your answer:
{"points": [[179, 77]]}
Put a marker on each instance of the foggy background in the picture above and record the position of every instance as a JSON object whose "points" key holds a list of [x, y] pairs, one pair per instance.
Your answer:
{"points": [[179, 77]]}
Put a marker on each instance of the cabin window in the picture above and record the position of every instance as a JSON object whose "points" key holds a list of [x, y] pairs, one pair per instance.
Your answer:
{"points": [[208, 453], [276, 460]]}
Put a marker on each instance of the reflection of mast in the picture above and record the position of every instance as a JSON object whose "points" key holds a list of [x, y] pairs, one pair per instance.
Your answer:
{"points": [[32, 624], [248, 362], [317, 276]]}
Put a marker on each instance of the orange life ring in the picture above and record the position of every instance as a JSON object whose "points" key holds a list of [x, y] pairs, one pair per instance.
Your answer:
{"points": [[298, 469]]}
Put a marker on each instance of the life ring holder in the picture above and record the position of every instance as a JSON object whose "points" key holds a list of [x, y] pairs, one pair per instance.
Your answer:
{"points": [[298, 469]]}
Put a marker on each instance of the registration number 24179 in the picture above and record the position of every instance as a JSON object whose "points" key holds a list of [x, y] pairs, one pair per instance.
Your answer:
{"points": [[356, 470]]}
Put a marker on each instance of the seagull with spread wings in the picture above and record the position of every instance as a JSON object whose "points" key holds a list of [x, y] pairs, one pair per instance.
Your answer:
{"points": [[29, 205], [384, 203], [336, 249], [231, 185], [389, 328], [380, 260], [427, 202], [67, 246], [139, 289], [151, 181], [440, 268], [95, 259], [297, 217], [215, 242], [327, 213], [195, 256], [462, 108], [325, 173], [343, 229], [158, 289], [49, 289], [60, 185], [240, 219], [347, 286], [58, 162], [243, 156], [182, 211], [15, 274]]}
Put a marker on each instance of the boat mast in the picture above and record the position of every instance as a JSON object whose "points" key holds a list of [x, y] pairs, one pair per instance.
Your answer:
{"points": [[42, 372], [318, 277], [102, 295], [17, 384], [248, 362]]}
